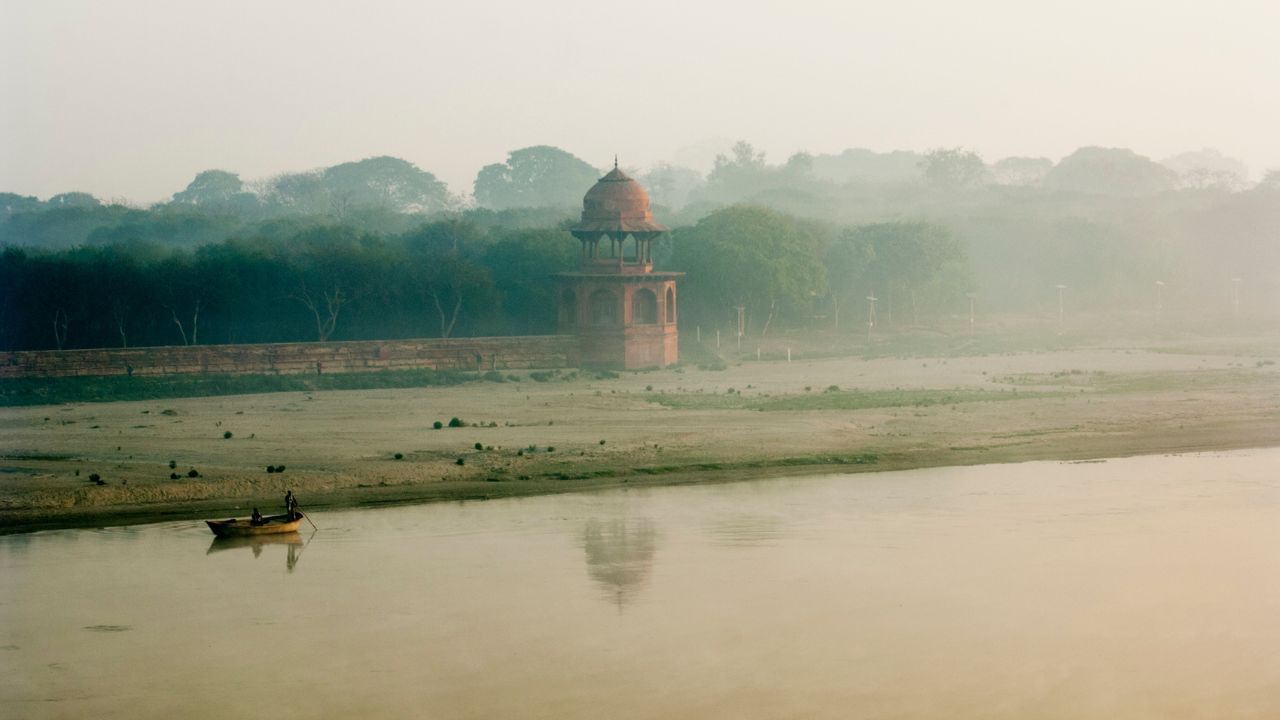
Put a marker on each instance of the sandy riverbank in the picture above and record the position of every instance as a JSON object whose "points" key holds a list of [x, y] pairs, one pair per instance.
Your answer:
{"points": [[672, 426]]}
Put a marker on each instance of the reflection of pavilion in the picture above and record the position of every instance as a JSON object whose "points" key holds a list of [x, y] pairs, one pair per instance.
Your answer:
{"points": [[619, 555]]}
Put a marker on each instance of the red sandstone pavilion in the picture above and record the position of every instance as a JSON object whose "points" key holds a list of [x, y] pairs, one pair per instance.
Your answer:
{"points": [[622, 310]]}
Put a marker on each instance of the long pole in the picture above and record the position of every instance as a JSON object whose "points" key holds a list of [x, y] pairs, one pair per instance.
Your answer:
{"points": [[1061, 312], [971, 296], [871, 316]]}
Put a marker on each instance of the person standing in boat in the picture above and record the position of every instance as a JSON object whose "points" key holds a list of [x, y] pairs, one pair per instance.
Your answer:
{"points": [[289, 503]]}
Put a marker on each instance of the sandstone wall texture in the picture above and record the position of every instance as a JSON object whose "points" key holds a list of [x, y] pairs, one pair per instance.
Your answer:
{"points": [[495, 353]]}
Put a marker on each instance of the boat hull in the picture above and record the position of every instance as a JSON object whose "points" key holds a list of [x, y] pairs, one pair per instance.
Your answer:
{"points": [[273, 525]]}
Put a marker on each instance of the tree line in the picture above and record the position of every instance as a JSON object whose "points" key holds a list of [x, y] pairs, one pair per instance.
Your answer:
{"points": [[801, 241], [447, 278]]}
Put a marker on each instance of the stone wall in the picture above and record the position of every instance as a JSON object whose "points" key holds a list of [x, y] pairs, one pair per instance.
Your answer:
{"points": [[498, 353]]}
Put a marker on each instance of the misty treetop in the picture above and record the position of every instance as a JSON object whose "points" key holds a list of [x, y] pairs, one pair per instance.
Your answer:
{"points": [[539, 176]]}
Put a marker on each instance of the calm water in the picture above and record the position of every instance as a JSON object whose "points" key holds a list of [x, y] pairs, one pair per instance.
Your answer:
{"points": [[1135, 588]]}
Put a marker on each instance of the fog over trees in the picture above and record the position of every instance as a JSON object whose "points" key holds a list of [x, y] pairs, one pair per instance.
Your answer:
{"points": [[379, 248]]}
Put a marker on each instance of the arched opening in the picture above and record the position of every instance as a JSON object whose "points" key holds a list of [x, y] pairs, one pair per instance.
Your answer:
{"points": [[671, 305], [644, 307], [569, 307], [604, 308]]}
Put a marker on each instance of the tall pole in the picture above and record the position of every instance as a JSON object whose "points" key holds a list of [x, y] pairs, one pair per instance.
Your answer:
{"points": [[741, 324], [1061, 307], [971, 296], [871, 316]]}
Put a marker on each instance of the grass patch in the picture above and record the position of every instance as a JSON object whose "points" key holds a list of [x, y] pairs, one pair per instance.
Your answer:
{"points": [[840, 400], [50, 391], [1144, 382]]}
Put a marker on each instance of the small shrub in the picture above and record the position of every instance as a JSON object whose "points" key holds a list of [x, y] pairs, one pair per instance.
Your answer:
{"points": [[226, 435], [520, 453], [456, 423], [601, 442], [271, 468], [193, 473], [173, 476], [832, 388], [95, 478], [168, 411], [648, 388], [551, 448], [173, 464], [479, 446], [494, 376], [607, 375], [399, 456], [437, 425], [279, 468], [461, 461]]}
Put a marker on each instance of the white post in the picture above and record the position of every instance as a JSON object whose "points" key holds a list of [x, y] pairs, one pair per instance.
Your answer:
{"points": [[1061, 313]]}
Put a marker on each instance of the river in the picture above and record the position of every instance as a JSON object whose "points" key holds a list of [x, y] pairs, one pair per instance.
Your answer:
{"points": [[1143, 587]]}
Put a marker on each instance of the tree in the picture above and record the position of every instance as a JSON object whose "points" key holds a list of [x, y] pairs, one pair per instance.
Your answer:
{"points": [[330, 270], [521, 264], [754, 257], [904, 260], [441, 270], [1109, 171], [1208, 169], [73, 199], [670, 186], [1021, 171], [954, 168], [538, 176], [211, 187], [385, 182]]}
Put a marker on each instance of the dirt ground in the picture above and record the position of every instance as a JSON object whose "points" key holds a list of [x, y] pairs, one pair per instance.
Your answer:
{"points": [[672, 426]]}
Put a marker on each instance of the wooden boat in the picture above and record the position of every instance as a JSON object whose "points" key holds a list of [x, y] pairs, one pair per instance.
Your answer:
{"points": [[272, 525]]}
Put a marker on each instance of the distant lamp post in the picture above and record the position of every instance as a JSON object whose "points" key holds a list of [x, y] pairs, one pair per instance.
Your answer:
{"points": [[971, 296], [1061, 307], [742, 325], [871, 315]]}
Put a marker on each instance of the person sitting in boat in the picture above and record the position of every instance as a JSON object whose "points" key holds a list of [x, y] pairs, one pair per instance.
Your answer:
{"points": [[257, 518]]}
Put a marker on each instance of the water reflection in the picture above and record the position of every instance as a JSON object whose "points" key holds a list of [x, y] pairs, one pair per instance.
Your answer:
{"points": [[619, 555], [747, 529], [293, 541]]}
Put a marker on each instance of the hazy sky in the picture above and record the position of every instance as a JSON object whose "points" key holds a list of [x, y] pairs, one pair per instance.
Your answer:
{"points": [[128, 98]]}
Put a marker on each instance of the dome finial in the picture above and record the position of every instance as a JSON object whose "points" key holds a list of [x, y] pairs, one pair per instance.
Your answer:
{"points": [[615, 161]]}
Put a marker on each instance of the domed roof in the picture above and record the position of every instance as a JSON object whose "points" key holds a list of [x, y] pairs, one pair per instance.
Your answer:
{"points": [[617, 204]]}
